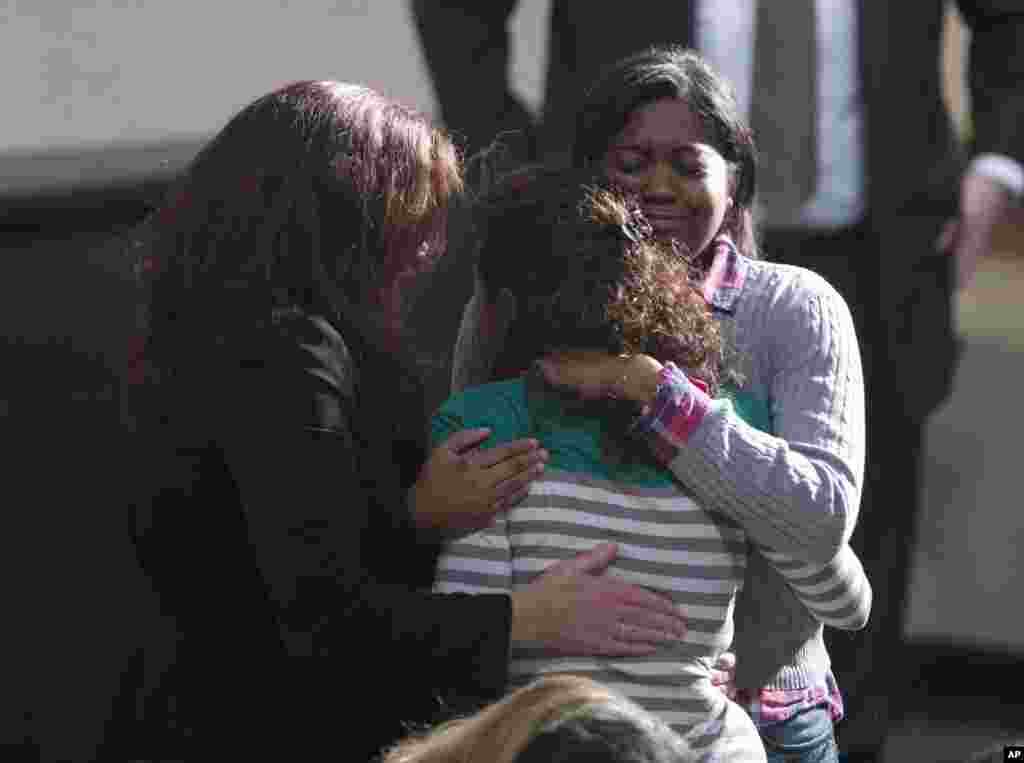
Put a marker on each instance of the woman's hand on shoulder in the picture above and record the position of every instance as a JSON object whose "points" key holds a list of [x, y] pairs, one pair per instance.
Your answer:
{"points": [[723, 674], [462, 486], [594, 374], [574, 609]]}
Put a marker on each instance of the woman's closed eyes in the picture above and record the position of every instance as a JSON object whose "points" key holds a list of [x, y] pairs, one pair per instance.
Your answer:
{"points": [[634, 161]]}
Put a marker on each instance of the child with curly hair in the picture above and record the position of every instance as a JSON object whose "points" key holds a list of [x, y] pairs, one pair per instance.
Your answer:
{"points": [[588, 274]]}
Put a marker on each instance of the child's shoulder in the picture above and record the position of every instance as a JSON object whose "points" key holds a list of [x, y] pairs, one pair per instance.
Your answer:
{"points": [[508, 394], [500, 406]]}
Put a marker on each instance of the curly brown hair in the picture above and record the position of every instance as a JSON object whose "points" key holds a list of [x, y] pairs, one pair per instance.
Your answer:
{"points": [[586, 271]]}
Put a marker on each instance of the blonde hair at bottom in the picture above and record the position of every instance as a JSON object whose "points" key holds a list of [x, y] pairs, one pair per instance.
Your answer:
{"points": [[499, 732]]}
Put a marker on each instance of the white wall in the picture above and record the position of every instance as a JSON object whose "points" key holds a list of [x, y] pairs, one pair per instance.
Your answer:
{"points": [[115, 75]]}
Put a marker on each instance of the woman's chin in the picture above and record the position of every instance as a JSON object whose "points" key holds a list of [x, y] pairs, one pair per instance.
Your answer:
{"points": [[672, 231]]}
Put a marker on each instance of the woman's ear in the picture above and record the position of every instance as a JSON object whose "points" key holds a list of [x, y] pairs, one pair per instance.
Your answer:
{"points": [[733, 181], [730, 221], [730, 211]]}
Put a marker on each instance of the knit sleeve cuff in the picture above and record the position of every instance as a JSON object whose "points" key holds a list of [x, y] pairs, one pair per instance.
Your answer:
{"points": [[679, 406], [1002, 169]]}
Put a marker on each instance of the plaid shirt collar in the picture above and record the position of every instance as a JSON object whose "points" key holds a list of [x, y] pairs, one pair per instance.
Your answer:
{"points": [[724, 282]]}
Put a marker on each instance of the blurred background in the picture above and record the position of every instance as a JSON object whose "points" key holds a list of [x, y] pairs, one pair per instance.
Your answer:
{"points": [[106, 100]]}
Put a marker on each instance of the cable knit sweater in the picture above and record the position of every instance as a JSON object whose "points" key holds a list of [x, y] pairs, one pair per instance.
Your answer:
{"points": [[796, 491]]}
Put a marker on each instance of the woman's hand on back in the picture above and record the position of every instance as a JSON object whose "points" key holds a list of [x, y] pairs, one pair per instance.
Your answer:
{"points": [[573, 609], [462, 487]]}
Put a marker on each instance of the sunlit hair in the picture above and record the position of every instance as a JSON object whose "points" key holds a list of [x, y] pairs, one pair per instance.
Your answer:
{"points": [[314, 196], [586, 272], [557, 718], [673, 72]]}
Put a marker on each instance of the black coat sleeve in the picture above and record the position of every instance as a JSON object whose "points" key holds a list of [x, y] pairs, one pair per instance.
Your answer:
{"points": [[286, 429]]}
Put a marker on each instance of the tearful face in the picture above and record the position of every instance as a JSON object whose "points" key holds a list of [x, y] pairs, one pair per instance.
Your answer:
{"points": [[683, 182]]}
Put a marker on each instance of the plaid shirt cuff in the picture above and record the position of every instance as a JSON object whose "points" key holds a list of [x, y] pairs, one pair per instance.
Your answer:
{"points": [[679, 406]]}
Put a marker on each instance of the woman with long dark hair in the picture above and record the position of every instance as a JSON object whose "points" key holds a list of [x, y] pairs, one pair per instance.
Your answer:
{"points": [[292, 514]]}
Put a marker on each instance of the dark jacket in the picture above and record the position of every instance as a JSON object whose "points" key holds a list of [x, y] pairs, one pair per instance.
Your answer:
{"points": [[277, 536]]}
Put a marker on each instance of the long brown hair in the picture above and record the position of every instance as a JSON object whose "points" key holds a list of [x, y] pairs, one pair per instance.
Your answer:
{"points": [[314, 196]]}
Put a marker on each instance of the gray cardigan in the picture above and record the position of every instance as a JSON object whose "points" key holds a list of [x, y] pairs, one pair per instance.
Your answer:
{"points": [[796, 491]]}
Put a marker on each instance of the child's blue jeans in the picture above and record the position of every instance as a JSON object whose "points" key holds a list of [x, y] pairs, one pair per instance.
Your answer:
{"points": [[807, 737]]}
